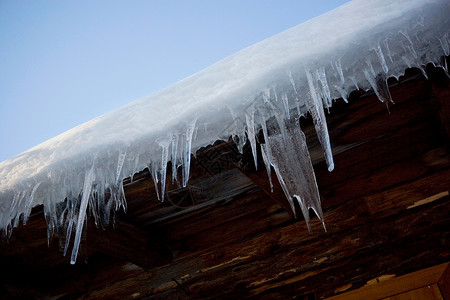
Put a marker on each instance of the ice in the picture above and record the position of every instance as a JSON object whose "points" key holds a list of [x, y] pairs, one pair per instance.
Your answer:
{"points": [[388, 50], [315, 107], [379, 86], [340, 71], [285, 99], [86, 194], [266, 155], [174, 156], [266, 86], [292, 164], [267, 164], [155, 177], [325, 91], [445, 44], [239, 137], [381, 58], [250, 120], [164, 159], [120, 162], [187, 137]]}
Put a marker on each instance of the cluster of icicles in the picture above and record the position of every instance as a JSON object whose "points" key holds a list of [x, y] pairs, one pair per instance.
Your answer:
{"points": [[92, 182]]}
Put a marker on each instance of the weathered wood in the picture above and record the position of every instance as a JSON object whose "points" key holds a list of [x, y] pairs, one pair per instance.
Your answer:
{"points": [[295, 236], [234, 221], [382, 288], [385, 245], [276, 193], [129, 243], [386, 207], [444, 283]]}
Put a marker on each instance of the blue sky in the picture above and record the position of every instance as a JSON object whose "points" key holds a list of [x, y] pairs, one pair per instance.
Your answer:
{"points": [[63, 63]]}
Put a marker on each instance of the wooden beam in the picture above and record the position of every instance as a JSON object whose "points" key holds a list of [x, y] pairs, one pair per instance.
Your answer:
{"points": [[380, 288], [130, 243], [266, 265], [277, 195]]}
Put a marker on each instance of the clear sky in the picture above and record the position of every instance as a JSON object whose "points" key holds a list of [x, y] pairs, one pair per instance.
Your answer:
{"points": [[63, 63]]}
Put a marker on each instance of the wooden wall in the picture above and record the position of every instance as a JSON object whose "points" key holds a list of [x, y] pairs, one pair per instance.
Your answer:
{"points": [[386, 208]]}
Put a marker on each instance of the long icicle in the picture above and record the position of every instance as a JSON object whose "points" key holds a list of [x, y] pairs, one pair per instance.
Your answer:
{"points": [[187, 151], [315, 107], [87, 187], [164, 157], [250, 120]]}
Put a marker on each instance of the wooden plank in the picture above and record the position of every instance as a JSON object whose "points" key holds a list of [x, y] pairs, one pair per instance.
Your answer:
{"points": [[440, 95], [386, 177], [399, 144], [444, 283], [431, 292], [130, 243], [276, 194], [285, 259], [398, 285], [220, 225]]}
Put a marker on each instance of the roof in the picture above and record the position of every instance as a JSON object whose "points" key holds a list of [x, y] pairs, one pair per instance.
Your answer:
{"points": [[269, 85], [226, 235]]}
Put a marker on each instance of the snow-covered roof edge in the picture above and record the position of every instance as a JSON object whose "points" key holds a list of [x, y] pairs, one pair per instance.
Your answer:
{"points": [[358, 45]]}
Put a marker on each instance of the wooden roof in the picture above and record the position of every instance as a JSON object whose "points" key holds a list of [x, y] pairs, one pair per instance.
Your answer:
{"points": [[386, 208]]}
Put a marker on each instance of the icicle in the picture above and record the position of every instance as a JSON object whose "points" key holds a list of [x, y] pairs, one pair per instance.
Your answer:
{"points": [[164, 158], [187, 152], [135, 169], [264, 116], [355, 83], [278, 116], [103, 202], [388, 50], [267, 156], [445, 45], [381, 58], [174, 157], [122, 197], [411, 45], [315, 107], [250, 120], [321, 76], [293, 167], [14, 203], [338, 66], [70, 221], [29, 203], [120, 162], [379, 86], [369, 63], [423, 69], [267, 164], [274, 93], [286, 105], [292, 82], [15, 215], [304, 210], [239, 136], [88, 180], [154, 173], [446, 68], [93, 205], [297, 105], [285, 189], [341, 92]]}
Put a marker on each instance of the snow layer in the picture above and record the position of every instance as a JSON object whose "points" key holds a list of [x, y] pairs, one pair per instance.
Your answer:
{"points": [[358, 45]]}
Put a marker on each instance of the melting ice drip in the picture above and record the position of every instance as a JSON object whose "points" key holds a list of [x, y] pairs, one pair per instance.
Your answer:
{"points": [[268, 86]]}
